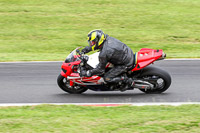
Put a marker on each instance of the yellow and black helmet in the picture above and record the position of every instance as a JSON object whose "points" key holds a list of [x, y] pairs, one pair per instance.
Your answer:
{"points": [[96, 39]]}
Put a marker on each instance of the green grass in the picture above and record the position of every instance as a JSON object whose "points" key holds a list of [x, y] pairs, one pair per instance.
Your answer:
{"points": [[123, 119], [50, 29]]}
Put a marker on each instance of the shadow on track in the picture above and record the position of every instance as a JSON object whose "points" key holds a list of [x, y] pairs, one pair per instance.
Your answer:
{"points": [[109, 97], [99, 95]]}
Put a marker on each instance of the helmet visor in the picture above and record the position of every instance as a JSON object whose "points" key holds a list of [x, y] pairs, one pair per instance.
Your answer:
{"points": [[91, 43]]}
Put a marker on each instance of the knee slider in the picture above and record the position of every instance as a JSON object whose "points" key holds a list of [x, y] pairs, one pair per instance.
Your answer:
{"points": [[107, 79]]}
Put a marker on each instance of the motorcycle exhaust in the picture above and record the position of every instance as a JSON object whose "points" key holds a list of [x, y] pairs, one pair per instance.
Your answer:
{"points": [[143, 85], [140, 86]]}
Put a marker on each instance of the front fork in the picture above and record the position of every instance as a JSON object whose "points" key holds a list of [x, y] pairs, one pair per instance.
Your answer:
{"points": [[71, 83]]}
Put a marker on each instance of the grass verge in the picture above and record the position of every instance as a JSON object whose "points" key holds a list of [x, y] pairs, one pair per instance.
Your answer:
{"points": [[50, 29], [122, 119]]}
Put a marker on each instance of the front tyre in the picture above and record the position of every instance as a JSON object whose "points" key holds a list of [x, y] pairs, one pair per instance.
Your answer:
{"points": [[158, 77], [64, 85]]}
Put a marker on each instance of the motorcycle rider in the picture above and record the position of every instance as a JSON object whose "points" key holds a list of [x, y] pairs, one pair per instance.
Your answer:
{"points": [[113, 51]]}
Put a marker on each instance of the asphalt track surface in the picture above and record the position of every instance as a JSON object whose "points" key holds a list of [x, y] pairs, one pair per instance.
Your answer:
{"points": [[35, 82]]}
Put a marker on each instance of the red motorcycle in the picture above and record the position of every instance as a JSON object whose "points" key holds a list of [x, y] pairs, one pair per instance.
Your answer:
{"points": [[148, 79]]}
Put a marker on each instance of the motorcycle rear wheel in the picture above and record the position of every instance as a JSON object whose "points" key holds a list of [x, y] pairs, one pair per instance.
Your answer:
{"points": [[62, 83], [160, 79]]}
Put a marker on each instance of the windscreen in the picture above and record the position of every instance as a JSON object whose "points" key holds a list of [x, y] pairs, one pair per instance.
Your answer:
{"points": [[70, 57]]}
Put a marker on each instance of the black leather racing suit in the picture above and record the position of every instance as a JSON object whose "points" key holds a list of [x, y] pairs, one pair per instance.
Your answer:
{"points": [[117, 53]]}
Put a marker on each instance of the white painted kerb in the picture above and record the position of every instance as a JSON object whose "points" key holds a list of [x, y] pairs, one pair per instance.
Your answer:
{"points": [[132, 104]]}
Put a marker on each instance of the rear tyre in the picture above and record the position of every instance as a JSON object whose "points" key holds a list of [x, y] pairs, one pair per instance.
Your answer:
{"points": [[64, 85], [158, 77]]}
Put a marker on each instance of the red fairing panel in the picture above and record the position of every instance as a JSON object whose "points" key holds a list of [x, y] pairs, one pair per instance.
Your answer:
{"points": [[68, 68], [145, 57], [63, 74], [75, 77]]}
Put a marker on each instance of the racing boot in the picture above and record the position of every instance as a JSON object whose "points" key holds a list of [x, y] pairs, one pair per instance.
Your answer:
{"points": [[129, 83], [112, 82]]}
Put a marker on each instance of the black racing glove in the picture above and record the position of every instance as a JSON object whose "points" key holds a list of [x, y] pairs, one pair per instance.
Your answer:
{"points": [[87, 49]]}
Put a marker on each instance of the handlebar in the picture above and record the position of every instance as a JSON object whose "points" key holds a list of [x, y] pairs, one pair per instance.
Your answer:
{"points": [[82, 56], [80, 53]]}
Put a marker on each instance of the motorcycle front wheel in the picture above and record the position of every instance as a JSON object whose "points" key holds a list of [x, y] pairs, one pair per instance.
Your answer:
{"points": [[160, 79], [64, 85]]}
